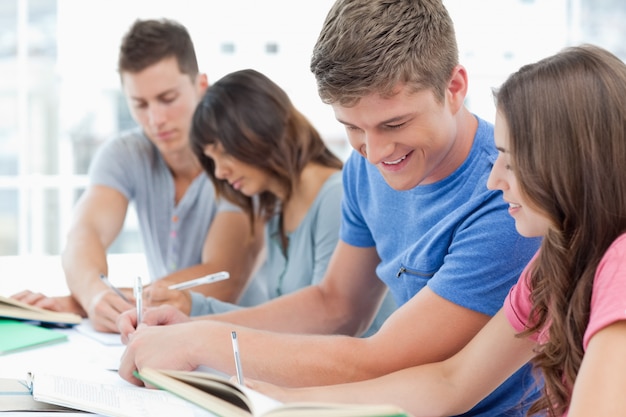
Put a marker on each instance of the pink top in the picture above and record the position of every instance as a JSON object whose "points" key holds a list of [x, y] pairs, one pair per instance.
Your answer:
{"points": [[608, 299]]}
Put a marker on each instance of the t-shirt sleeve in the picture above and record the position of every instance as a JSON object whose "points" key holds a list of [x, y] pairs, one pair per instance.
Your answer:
{"points": [[608, 299], [113, 166], [354, 230], [517, 304]]}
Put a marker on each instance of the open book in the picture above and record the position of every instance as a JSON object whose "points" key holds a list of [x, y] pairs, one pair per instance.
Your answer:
{"points": [[105, 393], [16, 395], [17, 310], [226, 399]]}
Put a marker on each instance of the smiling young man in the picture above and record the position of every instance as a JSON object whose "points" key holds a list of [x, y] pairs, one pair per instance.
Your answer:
{"points": [[186, 232], [417, 220]]}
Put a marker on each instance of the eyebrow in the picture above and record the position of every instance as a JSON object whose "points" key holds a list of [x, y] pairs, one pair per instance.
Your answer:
{"points": [[501, 149], [384, 122], [159, 96]]}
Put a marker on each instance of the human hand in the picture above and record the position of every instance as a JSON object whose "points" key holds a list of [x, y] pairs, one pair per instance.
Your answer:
{"points": [[157, 316], [160, 347], [158, 294], [65, 303], [105, 308]]}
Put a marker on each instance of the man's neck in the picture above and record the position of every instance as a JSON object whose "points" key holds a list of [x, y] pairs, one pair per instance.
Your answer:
{"points": [[183, 165]]}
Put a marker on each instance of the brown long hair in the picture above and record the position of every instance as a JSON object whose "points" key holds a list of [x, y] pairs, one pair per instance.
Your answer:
{"points": [[567, 120], [256, 123]]}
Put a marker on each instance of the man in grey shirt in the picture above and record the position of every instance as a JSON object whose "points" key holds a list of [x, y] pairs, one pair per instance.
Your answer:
{"points": [[186, 232]]}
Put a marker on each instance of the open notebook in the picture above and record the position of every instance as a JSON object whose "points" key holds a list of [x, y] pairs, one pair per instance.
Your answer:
{"points": [[105, 392], [226, 399], [182, 394]]}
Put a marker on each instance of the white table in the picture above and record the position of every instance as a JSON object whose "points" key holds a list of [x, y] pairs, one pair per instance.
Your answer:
{"points": [[44, 274], [93, 365]]}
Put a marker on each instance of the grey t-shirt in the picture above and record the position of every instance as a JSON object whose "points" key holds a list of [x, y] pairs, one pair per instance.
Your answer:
{"points": [[172, 234], [308, 253]]}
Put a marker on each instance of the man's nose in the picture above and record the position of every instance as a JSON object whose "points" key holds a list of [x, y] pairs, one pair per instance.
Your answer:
{"points": [[376, 148], [156, 115]]}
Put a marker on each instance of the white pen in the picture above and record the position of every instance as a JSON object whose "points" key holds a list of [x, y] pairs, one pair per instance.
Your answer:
{"points": [[104, 279], [208, 279], [139, 299], [233, 335]]}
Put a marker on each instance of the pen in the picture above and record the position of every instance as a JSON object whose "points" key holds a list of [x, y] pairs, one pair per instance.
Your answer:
{"points": [[139, 298], [208, 279], [233, 335], [104, 279]]}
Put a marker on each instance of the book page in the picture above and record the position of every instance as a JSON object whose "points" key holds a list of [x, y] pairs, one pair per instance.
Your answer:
{"points": [[216, 385], [335, 410], [261, 403], [222, 387], [109, 395], [15, 396], [223, 397], [109, 339]]}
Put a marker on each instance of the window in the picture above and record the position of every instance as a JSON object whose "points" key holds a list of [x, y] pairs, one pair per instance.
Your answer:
{"points": [[60, 96]]}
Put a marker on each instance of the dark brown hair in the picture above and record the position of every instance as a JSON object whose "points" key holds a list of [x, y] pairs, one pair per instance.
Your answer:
{"points": [[256, 123], [150, 41], [567, 128]]}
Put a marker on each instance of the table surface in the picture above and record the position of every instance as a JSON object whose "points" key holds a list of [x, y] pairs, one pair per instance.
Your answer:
{"points": [[92, 358], [44, 274], [81, 351]]}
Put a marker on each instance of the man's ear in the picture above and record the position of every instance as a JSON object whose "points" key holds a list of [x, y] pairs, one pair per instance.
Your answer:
{"points": [[457, 88], [202, 81]]}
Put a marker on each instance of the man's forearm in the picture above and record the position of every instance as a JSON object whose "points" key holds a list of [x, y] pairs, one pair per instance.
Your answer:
{"points": [[272, 315], [82, 267], [289, 359]]}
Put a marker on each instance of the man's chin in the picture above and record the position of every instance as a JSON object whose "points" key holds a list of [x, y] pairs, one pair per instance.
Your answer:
{"points": [[400, 183]]}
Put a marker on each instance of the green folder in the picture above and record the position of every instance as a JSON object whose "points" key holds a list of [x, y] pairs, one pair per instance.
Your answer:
{"points": [[18, 335]]}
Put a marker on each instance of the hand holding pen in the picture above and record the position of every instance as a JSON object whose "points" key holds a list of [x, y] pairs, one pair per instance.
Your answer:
{"points": [[178, 294], [106, 281], [104, 308]]}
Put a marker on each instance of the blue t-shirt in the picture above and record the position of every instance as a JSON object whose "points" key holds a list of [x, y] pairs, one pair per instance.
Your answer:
{"points": [[455, 236]]}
